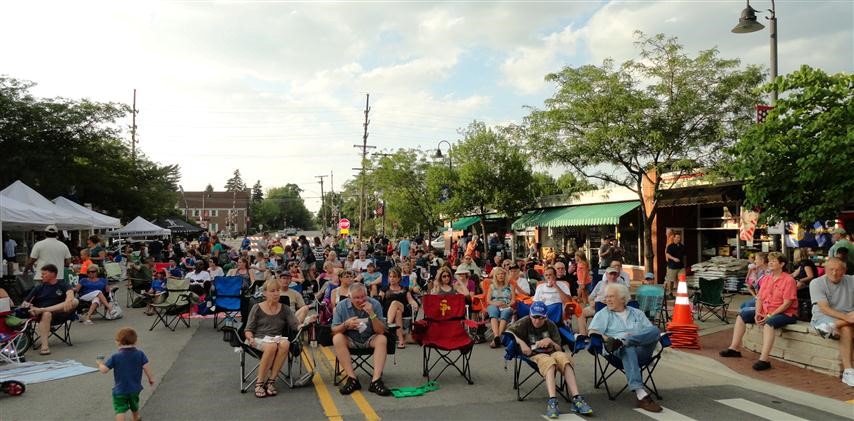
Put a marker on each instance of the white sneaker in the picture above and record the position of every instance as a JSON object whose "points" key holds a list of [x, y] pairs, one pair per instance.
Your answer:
{"points": [[848, 377]]}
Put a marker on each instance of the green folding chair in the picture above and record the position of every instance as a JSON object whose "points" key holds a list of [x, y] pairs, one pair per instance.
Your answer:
{"points": [[179, 300], [711, 300]]}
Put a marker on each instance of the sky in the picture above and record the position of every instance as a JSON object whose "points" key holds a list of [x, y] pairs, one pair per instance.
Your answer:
{"points": [[277, 88]]}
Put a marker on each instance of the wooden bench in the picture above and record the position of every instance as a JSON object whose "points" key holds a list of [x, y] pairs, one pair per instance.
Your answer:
{"points": [[799, 344]]}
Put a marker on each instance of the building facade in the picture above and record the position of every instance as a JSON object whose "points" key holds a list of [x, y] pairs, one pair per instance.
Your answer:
{"points": [[217, 211]]}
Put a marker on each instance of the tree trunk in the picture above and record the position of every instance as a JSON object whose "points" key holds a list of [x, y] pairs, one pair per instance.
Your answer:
{"points": [[648, 251]]}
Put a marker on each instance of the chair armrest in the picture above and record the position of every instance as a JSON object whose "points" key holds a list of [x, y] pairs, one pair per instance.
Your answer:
{"points": [[664, 339], [597, 343]]}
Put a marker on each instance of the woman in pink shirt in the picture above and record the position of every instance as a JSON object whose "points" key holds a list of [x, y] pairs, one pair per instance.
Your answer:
{"points": [[776, 306]]}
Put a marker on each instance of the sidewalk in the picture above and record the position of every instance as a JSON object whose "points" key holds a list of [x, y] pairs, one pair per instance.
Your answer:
{"points": [[782, 373]]}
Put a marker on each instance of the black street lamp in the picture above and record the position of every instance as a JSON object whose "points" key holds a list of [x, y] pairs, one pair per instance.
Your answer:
{"points": [[439, 155], [748, 23]]}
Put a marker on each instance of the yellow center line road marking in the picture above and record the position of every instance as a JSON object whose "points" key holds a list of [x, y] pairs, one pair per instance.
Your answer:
{"points": [[358, 397], [329, 408]]}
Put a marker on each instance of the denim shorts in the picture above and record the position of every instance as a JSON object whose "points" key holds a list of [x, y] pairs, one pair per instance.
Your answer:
{"points": [[505, 313], [777, 321]]}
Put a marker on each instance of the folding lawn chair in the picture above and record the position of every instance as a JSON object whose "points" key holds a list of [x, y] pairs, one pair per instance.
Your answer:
{"points": [[113, 271], [293, 374], [606, 365], [361, 357], [13, 343], [139, 282], [513, 352], [60, 328], [711, 300], [110, 294], [651, 301], [226, 299], [443, 331], [178, 301]]}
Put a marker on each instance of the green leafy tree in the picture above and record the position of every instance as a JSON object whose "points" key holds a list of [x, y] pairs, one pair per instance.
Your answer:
{"points": [[284, 207], [490, 174], [797, 165], [74, 148], [626, 125], [400, 179], [568, 183], [235, 183]]}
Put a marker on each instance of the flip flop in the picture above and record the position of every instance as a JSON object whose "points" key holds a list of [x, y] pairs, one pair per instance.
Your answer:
{"points": [[401, 346], [44, 352]]}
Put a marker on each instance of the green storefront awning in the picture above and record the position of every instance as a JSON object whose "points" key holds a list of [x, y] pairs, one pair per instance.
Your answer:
{"points": [[463, 223], [576, 216]]}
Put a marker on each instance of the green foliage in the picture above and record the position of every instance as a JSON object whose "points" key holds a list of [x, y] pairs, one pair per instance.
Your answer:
{"points": [[257, 192], [401, 181], [665, 112], [235, 183], [283, 207], [797, 165], [70, 147], [567, 184]]}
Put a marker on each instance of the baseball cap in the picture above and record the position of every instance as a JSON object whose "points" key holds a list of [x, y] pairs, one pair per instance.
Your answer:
{"points": [[839, 231], [611, 270], [284, 274], [650, 275], [51, 228], [538, 308], [461, 271]]}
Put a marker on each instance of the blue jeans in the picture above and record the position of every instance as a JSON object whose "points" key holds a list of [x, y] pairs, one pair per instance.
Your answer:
{"points": [[494, 312], [777, 321], [637, 347]]}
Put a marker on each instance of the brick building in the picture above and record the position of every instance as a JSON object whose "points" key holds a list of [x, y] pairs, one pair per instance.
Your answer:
{"points": [[216, 211]]}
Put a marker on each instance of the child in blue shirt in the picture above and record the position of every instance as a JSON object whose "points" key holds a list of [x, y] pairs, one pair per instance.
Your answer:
{"points": [[127, 364], [155, 294]]}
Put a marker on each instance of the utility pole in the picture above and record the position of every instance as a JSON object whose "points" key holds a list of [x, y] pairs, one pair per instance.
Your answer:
{"points": [[133, 131], [322, 210], [333, 208], [365, 147], [382, 197]]}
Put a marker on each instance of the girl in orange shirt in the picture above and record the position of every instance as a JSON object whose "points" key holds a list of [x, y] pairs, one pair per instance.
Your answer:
{"points": [[582, 271]]}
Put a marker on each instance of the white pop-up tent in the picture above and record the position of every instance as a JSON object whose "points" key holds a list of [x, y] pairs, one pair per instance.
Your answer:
{"points": [[38, 204], [16, 215], [99, 220], [139, 227]]}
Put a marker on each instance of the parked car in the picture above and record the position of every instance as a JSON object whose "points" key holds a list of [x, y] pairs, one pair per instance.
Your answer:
{"points": [[438, 243]]}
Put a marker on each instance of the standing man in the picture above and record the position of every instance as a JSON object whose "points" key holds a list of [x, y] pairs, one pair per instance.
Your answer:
{"points": [[833, 311], [404, 245], [49, 251], [9, 253], [675, 257], [606, 252]]}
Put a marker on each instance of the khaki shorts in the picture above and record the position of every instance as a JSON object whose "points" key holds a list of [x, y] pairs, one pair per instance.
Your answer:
{"points": [[546, 361], [672, 275]]}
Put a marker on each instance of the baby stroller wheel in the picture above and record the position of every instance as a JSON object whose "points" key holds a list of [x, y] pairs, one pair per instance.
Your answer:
{"points": [[13, 387]]}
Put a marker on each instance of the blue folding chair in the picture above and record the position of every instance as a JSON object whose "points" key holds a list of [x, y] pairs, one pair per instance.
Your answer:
{"points": [[606, 365], [512, 351], [226, 298], [555, 313]]}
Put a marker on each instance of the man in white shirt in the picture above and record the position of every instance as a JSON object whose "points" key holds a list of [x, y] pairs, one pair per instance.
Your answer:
{"points": [[833, 311], [361, 264], [624, 277], [49, 251], [552, 291]]}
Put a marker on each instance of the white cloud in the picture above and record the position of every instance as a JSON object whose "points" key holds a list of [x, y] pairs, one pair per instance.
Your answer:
{"points": [[526, 67]]}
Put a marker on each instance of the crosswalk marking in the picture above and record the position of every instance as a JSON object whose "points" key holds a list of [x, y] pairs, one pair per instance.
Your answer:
{"points": [[759, 410], [665, 415], [567, 417]]}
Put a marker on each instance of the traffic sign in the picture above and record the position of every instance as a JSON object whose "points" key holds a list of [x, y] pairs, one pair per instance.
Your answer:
{"points": [[344, 224]]}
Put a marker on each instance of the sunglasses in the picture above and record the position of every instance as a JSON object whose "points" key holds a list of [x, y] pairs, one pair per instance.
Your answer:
{"points": [[538, 317]]}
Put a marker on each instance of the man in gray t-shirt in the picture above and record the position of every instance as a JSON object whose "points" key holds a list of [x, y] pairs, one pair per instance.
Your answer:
{"points": [[833, 311]]}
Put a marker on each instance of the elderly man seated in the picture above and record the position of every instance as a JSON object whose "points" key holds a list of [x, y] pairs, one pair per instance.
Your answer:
{"points": [[833, 310], [358, 323], [52, 303], [629, 335]]}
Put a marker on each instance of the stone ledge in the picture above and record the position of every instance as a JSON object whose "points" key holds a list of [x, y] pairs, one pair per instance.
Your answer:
{"points": [[800, 345]]}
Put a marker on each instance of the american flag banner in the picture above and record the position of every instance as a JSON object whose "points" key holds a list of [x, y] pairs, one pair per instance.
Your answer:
{"points": [[748, 224], [762, 112]]}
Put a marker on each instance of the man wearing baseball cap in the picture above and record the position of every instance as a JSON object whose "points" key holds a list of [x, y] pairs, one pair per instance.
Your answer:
{"points": [[538, 338], [49, 251]]}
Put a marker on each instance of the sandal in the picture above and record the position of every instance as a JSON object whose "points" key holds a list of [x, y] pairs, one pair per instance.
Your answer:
{"points": [[44, 352], [271, 388], [260, 391]]}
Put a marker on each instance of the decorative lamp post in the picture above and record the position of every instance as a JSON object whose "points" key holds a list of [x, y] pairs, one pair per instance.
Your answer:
{"points": [[748, 23]]}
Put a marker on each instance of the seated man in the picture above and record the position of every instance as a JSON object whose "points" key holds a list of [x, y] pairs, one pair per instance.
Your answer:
{"points": [[833, 310], [358, 323], [612, 276], [628, 335], [551, 291], [52, 302], [294, 299], [538, 338]]}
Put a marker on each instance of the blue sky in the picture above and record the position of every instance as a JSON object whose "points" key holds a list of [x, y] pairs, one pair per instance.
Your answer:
{"points": [[276, 88]]}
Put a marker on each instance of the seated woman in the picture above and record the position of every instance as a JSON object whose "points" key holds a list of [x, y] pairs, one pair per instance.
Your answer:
{"points": [[155, 294], [93, 288], [328, 280], [499, 304], [345, 279], [394, 299], [776, 306], [445, 285], [310, 285], [200, 279], [266, 327]]}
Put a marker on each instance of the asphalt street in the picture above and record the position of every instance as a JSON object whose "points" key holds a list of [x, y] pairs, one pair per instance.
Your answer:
{"points": [[198, 378]]}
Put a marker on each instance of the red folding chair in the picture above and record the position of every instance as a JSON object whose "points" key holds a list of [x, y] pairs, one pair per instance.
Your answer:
{"points": [[443, 332]]}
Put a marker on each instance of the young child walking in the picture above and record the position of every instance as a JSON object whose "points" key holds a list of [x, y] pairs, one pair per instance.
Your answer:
{"points": [[127, 364]]}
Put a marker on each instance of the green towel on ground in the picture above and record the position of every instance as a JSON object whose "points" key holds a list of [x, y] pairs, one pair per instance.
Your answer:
{"points": [[408, 392]]}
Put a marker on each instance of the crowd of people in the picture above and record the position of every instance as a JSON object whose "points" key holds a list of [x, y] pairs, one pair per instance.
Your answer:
{"points": [[360, 288]]}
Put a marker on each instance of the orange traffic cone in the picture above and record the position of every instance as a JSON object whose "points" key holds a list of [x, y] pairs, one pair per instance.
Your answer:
{"points": [[683, 331]]}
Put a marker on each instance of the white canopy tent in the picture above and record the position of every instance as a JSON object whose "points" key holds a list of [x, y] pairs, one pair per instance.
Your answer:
{"points": [[16, 215], [139, 227], [99, 220], [40, 205]]}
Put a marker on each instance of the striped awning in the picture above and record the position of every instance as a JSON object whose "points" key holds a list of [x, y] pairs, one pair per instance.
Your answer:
{"points": [[576, 216]]}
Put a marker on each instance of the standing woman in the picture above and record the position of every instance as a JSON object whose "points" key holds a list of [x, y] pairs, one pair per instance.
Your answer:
{"points": [[499, 304], [265, 331], [394, 299], [97, 253]]}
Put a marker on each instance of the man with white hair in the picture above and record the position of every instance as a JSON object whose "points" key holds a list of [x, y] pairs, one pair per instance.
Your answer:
{"points": [[630, 336], [833, 310]]}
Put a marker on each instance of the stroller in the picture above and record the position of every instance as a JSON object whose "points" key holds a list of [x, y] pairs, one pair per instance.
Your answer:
{"points": [[10, 341]]}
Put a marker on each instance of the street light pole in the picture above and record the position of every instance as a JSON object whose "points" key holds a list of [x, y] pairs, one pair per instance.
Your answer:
{"points": [[747, 23], [439, 155]]}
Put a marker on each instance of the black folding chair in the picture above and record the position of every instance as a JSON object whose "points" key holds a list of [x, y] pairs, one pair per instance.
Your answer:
{"points": [[293, 373], [361, 358], [606, 365]]}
